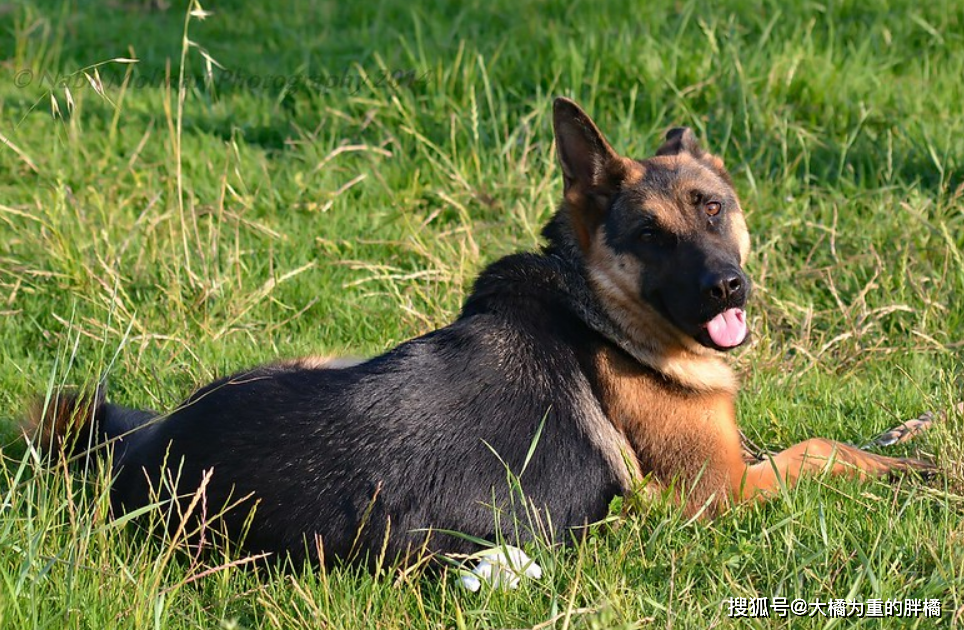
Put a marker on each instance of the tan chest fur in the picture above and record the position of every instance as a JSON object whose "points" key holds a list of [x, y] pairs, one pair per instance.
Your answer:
{"points": [[686, 438]]}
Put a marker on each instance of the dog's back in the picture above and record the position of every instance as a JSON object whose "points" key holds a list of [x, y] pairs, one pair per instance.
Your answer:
{"points": [[423, 437]]}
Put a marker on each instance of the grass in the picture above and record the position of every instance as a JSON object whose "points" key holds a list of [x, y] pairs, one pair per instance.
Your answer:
{"points": [[336, 180]]}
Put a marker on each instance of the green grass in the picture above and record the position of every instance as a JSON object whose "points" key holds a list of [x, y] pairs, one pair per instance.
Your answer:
{"points": [[348, 207]]}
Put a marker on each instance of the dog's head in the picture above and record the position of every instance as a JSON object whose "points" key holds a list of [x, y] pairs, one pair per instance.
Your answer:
{"points": [[663, 240]]}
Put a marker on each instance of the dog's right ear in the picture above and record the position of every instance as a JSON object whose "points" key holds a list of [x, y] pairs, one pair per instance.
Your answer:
{"points": [[587, 160], [681, 140]]}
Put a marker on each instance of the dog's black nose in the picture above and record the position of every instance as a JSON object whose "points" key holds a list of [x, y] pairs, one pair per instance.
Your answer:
{"points": [[725, 285]]}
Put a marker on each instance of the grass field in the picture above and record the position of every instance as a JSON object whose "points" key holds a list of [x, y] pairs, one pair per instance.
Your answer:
{"points": [[329, 179]]}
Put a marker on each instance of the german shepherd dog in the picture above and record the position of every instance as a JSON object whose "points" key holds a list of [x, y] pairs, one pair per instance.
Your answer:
{"points": [[584, 368]]}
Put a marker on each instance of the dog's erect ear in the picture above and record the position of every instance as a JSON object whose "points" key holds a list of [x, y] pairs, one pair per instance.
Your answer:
{"points": [[681, 140], [587, 159]]}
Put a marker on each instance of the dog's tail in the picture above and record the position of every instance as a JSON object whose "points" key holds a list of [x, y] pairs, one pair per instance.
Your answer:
{"points": [[80, 424]]}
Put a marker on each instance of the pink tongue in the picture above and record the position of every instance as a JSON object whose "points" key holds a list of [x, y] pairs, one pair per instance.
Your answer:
{"points": [[728, 329]]}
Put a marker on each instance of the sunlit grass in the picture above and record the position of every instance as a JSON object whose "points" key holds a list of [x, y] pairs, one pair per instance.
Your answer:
{"points": [[333, 183]]}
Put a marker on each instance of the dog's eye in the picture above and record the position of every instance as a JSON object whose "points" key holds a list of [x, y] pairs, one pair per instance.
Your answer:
{"points": [[712, 208], [646, 233]]}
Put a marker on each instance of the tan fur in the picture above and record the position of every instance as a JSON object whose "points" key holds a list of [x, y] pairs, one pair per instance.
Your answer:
{"points": [[691, 175], [691, 440], [634, 172], [320, 362], [585, 223], [64, 419], [667, 214], [679, 436], [814, 456], [742, 235]]}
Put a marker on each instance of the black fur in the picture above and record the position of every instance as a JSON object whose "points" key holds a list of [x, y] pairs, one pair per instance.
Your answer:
{"points": [[401, 443]]}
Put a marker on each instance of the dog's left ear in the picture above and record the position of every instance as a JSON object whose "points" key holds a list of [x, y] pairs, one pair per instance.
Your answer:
{"points": [[681, 140], [588, 161]]}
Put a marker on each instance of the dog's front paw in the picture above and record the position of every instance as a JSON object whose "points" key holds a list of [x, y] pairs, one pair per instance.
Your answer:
{"points": [[925, 469], [502, 567], [912, 428], [906, 431]]}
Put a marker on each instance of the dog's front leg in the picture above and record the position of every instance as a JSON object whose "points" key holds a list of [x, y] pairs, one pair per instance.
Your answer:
{"points": [[814, 456]]}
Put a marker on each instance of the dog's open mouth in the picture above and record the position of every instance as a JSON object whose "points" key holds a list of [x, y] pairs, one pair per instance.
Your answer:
{"points": [[728, 329]]}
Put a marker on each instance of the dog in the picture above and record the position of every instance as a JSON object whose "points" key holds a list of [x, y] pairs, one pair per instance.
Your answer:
{"points": [[584, 371]]}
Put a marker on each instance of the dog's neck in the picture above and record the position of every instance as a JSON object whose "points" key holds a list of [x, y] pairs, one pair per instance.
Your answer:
{"points": [[688, 365]]}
